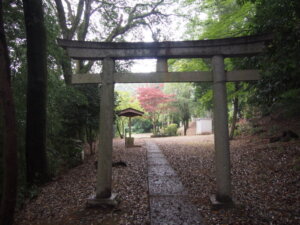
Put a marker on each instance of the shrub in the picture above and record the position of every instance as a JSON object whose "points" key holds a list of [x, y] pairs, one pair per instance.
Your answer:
{"points": [[170, 130], [64, 154]]}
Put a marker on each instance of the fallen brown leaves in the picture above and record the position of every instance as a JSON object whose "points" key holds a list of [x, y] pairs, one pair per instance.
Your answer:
{"points": [[63, 201], [266, 184]]}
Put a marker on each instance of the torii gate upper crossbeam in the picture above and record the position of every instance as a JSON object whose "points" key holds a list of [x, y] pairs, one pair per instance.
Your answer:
{"points": [[228, 47]]}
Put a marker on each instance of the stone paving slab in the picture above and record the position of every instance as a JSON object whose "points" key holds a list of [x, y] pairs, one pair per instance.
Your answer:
{"points": [[153, 150], [155, 155], [157, 161], [167, 196], [170, 210], [164, 185], [151, 147], [161, 170]]}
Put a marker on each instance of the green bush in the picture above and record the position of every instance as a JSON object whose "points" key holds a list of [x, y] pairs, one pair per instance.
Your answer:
{"points": [[170, 130], [141, 125], [64, 154]]}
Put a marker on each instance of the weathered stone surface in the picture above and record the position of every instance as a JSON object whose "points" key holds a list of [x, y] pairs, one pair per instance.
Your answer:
{"points": [[161, 170], [168, 199], [216, 205], [160, 77], [157, 161], [94, 202], [164, 185], [155, 155], [221, 135], [229, 47], [152, 149], [172, 210], [104, 170]]}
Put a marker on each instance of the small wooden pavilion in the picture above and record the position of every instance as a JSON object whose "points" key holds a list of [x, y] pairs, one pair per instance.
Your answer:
{"points": [[129, 112]]}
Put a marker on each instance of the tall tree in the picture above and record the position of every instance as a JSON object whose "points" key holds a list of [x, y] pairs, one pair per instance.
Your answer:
{"points": [[183, 102], [280, 82], [235, 103], [224, 18], [36, 160], [152, 100], [7, 109], [114, 19]]}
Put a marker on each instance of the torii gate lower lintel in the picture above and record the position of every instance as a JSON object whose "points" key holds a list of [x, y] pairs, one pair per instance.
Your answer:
{"points": [[217, 50]]}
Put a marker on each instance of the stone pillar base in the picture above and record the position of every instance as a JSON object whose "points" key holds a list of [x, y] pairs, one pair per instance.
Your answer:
{"points": [[216, 205], [94, 202]]}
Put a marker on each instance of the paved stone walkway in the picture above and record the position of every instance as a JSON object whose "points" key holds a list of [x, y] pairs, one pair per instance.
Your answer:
{"points": [[168, 198]]}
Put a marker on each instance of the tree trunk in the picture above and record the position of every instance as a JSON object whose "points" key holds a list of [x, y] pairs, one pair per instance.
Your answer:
{"points": [[91, 147], [154, 128], [10, 170], [36, 160], [235, 112], [185, 126], [66, 68], [119, 131]]}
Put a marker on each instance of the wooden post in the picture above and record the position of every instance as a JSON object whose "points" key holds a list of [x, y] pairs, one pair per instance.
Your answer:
{"points": [[222, 154], [104, 171], [129, 125]]}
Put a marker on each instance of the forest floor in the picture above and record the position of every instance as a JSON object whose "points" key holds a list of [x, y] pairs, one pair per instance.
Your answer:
{"points": [[265, 180]]}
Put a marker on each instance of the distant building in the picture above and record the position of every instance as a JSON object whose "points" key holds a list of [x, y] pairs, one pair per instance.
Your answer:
{"points": [[203, 126]]}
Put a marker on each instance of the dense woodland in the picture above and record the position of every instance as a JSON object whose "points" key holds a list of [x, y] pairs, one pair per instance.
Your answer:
{"points": [[45, 121]]}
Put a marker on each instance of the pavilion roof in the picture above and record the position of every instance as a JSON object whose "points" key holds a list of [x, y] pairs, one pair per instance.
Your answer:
{"points": [[130, 112]]}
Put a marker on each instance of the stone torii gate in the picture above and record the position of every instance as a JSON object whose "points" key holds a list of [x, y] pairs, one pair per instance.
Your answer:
{"points": [[216, 49]]}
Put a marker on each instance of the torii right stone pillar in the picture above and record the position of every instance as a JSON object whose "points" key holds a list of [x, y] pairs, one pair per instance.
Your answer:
{"points": [[222, 154]]}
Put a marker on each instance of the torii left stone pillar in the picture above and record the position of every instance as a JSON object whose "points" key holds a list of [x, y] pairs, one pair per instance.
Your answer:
{"points": [[222, 154], [104, 194]]}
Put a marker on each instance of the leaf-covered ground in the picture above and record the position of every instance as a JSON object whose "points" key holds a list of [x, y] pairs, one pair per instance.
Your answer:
{"points": [[265, 178], [63, 201]]}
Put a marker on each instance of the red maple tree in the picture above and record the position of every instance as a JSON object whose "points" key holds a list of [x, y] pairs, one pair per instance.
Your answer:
{"points": [[152, 99]]}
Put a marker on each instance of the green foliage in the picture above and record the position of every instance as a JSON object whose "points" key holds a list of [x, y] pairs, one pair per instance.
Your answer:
{"points": [[200, 100], [73, 118], [141, 125], [281, 64], [69, 110], [125, 100], [203, 96], [223, 18], [245, 128], [67, 156], [183, 104], [170, 130]]}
